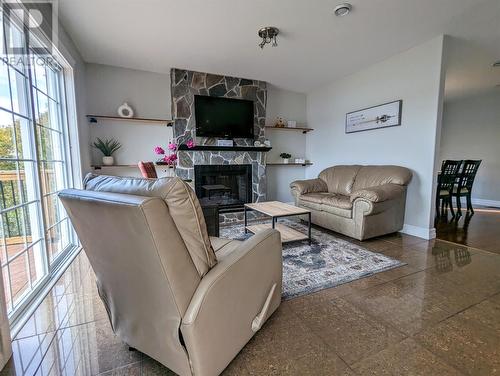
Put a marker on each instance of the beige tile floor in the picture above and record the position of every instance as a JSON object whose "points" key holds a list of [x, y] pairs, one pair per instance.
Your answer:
{"points": [[439, 315]]}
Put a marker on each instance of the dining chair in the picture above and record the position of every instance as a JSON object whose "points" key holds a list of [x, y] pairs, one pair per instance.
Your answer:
{"points": [[148, 170], [446, 182], [464, 186]]}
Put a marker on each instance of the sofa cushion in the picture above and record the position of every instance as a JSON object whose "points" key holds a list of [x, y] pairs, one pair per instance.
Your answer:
{"points": [[346, 213], [339, 179], [316, 198], [183, 206], [372, 176], [310, 205], [330, 203], [338, 201], [308, 186], [379, 193], [331, 199]]}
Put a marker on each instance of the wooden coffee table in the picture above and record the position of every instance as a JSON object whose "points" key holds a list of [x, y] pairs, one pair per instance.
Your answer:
{"points": [[275, 210]]}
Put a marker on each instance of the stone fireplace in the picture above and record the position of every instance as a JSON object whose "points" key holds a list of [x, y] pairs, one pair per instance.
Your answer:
{"points": [[185, 85]]}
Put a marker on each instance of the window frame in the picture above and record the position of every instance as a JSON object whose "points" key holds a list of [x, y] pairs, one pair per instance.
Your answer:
{"points": [[71, 162]]}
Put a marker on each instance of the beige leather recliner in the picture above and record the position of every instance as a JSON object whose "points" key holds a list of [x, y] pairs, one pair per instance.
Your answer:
{"points": [[358, 201], [189, 301]]}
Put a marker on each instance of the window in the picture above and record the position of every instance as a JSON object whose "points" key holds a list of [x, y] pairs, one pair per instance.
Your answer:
{"points": [[35, 233]]}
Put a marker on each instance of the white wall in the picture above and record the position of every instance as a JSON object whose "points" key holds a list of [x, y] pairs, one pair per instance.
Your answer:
{"points": [[291, 106], [147, 93], [415, 76], [471, 130]]}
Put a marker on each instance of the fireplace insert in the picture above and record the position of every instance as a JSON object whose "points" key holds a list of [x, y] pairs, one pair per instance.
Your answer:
{"points": [[223, 185], [222, 189]]}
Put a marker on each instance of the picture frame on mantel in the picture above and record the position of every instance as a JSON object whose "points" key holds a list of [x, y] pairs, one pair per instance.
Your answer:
{"points": [[382, 116]]}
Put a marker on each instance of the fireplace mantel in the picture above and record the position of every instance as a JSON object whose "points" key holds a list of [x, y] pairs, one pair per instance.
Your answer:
{"points": [[225, 148]]}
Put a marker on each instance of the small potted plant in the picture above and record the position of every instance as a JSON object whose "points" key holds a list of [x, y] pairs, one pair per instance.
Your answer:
{"points": [[107, 148], [286, 157]]}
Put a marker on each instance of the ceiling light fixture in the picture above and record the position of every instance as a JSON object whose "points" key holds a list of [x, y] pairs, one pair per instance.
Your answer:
{"points": [[342, 10], [268, 35]]}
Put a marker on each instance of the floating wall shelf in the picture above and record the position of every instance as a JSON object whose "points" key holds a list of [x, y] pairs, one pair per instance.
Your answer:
{"points": [[304, 130], [288, 164], [163, 164], [97, 167], [97, 118]]}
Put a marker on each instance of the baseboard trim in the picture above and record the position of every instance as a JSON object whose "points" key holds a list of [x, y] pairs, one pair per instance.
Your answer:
{"points": [[419, 232], [479, 201], [482, 202]]}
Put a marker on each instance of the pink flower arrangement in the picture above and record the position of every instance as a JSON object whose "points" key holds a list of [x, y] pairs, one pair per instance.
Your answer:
{"points": [[190, 144], [170, 159], [159, 150]]}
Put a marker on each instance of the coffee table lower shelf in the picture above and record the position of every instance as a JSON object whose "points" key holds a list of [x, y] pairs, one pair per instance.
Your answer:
{"points": [[288, 234]]}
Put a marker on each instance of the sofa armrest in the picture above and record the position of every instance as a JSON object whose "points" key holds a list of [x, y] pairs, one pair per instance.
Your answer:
{"points": [[379, 193], [308, 186], [231, 302]]}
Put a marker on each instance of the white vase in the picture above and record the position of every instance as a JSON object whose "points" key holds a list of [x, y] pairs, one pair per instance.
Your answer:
{"points": [[285, 160], [125, 111], [108, 161]]}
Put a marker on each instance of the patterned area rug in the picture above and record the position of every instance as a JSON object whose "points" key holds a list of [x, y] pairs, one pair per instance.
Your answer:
{"points": [[328, 262]]}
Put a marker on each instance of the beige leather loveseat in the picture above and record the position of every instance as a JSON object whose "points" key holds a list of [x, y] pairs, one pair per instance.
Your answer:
{"points": [[189, 301], [358, 201]]}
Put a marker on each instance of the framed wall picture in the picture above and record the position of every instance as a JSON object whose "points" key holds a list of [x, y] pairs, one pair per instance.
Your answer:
{"points": [[381, 116]]}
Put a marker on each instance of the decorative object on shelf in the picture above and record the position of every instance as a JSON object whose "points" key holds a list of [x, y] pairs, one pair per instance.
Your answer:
{"points": [[300, 160], [268, 35], [280, 122], [172, 146], [169, 159], [286, 157], [267, 143], [107, 148], [291, 124], [125, 111], [225, 143], [382, 116], [159, 150], [257, 143]]}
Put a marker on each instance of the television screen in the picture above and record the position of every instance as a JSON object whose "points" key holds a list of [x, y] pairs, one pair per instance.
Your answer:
{"points": [[223, 117]]}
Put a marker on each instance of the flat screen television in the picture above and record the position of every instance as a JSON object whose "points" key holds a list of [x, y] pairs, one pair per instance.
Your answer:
{"points": [[223, 117]]}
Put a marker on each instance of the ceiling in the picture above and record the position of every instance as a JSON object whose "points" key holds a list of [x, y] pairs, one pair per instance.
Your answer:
{"points": [[470, 52], [220, 36]]}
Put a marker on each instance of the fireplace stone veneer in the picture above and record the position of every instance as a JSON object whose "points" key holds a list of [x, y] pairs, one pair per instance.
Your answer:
{"points": [[185, 85]]}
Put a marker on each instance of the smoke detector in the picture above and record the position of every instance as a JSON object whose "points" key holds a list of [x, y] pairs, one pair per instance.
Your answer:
{"points": [[342, 10]]}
